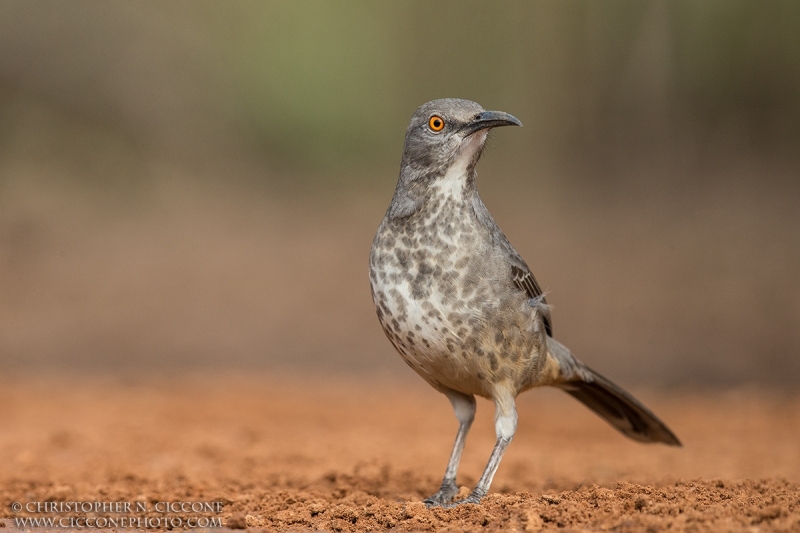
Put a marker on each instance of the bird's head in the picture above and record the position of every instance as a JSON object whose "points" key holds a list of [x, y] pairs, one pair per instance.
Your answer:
{"points": [[444, 132]]}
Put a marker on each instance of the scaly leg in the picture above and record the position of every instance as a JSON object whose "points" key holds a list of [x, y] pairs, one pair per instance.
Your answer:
{"points": [[464, 407], [505, 425]]}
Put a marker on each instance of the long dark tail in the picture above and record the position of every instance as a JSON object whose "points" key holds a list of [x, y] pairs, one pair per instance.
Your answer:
{"points": [[616, 406]]}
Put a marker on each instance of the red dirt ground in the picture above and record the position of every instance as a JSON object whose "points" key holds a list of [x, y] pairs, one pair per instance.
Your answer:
{"points": [[340, 454]]}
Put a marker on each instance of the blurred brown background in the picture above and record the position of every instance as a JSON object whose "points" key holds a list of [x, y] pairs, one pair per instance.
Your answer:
{"points": [[192, 186]]}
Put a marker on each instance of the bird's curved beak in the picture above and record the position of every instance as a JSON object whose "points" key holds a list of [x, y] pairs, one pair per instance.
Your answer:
{"points": [[489, 119]]}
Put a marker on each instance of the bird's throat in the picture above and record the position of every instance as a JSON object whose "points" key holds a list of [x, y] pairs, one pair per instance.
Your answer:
{"points": [[460, 175]]}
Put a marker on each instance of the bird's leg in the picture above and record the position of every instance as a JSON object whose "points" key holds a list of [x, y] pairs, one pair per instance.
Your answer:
{"points": [[464, 407], [505, 425]]}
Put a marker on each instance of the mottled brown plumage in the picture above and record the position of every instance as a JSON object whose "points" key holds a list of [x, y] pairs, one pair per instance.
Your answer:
{"points": [[458, 302]]}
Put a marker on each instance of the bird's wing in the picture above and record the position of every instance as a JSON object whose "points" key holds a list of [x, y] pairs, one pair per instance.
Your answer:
{"points": [[523, 279], [521, 275]]}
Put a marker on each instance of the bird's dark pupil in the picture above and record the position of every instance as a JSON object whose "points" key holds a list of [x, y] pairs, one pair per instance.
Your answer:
{"points": [[436, 123]]}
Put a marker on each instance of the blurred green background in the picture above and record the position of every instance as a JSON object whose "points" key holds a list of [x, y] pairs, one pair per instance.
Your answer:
{"points": [[195, 185]]}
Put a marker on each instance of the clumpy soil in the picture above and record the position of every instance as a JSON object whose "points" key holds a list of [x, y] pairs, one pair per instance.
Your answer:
{"points": [[359, 454], [349, 504]]}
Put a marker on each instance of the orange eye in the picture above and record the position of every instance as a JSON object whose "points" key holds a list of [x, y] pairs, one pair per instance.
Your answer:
{"points": [[436, 123]]}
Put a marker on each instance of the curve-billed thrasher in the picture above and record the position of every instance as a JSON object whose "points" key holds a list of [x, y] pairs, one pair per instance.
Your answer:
{"points": [[459, 303]]}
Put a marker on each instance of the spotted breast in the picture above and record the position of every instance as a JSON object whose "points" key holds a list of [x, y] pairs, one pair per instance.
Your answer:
{"points": [[444, 294]]}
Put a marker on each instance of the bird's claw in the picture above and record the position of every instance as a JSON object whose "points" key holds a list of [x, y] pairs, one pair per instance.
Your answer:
{"points": [[443, 496], [474, 497]]}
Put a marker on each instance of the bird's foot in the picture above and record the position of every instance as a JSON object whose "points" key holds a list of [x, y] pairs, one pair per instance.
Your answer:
{"points": [[474, 497], [443, 497]]}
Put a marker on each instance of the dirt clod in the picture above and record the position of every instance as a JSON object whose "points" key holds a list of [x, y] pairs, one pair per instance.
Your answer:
{"points": [[236, 521]]}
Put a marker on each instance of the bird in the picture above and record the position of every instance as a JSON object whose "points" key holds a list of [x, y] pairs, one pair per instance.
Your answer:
{"points": [[459, 303]]}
